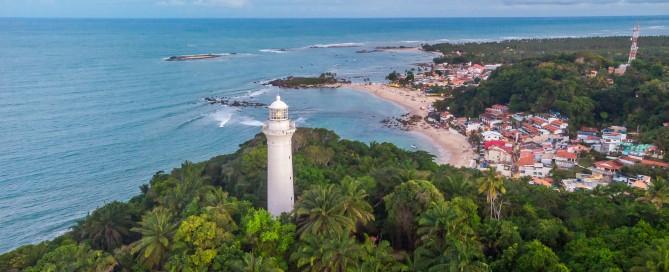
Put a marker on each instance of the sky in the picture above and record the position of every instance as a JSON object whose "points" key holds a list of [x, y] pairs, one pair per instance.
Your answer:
{"points": [[326, 9]]}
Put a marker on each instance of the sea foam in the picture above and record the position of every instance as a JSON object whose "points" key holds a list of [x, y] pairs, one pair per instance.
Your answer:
{"points": [[222, 116], [249, 121], [279, 51], [337, 45]]}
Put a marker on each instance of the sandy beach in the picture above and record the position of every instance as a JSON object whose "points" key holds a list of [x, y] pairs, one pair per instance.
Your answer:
{"points": [[454, 148]]}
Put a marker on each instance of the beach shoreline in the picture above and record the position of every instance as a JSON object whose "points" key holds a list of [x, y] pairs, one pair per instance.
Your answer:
{"points": [[453, 148]]}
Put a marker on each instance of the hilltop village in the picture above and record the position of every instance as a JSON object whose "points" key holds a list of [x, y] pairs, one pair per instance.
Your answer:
{"points": [[539, 145]]}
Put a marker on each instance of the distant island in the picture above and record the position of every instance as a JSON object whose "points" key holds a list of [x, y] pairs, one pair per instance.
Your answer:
{"points": [[193, 57], [324, 80]]}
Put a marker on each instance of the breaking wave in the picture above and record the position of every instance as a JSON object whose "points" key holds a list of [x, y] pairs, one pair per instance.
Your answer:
{"points": [[337, 45], [222, 116], [249, 121], [279, 51]]}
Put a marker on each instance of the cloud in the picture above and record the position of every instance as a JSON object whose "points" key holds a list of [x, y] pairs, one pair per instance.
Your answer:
{"points": [[560, 2], [212, 3], [647, 1]]}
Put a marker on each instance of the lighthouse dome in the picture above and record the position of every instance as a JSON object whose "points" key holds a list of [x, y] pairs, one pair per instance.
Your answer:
{"points": [[278, 110], [278, 104]]}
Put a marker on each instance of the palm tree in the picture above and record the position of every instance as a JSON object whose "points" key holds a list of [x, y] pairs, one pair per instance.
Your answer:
{"points": [[157, 231], [464, 255], [251, 263], [378, 257], [355, 207], [106, 227], [459, 186], [320, 211], [309, 254], [218, 199], [342, 252], [657, 194], [448, 242], [492, 186], [329, 253], [657, 257]]}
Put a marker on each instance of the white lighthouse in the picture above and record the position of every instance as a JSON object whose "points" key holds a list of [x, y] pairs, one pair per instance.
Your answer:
{"points": [[279, 131]]}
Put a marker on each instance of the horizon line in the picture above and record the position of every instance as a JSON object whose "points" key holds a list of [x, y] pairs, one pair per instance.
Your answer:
{"points": [[331, 18]]}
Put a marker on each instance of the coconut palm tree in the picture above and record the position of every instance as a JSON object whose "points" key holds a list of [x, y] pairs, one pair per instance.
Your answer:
{"points": [[342, 252], [493, 187], [464, 255], [309, 254], [219, 200], [355, 207], [320, 211], [330, 253], [157, 231], [251, 263], [106, 227]]}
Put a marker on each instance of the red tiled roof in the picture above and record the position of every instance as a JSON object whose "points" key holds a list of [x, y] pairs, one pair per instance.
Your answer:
{"points": [[500, 144], [558, 123], [530, 128], [494, 143], [526, 161], [566, 154], [537, 120], [640, 184], [655, 163], [551, 128], [615, 165], [500, 107], [485, 115], [548, 182]]}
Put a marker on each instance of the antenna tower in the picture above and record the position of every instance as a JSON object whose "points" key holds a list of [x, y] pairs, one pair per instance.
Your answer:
{"points": [[634, 48]]}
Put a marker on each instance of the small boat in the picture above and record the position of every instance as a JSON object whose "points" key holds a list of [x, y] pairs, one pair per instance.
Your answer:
{"points": [[414, 146]]}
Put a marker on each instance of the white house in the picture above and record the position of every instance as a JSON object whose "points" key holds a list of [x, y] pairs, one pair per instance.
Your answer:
{"points": [[491, 136]]}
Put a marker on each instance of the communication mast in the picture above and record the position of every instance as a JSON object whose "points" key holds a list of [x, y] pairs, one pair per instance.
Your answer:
{"points": [[634, 46]]}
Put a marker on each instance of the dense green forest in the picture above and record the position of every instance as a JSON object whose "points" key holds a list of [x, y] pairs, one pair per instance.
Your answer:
{"points": [[512, 51], [560, 83], [305, 82], [361, 207]]}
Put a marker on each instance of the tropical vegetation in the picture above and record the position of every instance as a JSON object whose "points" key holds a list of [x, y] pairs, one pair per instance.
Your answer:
{"points": [[360, 207]]}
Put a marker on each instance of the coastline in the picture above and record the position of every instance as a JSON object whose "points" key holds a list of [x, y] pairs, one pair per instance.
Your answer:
{"points": [[453, 147]]}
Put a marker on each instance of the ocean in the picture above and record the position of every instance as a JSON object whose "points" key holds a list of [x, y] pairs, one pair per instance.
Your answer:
{"points": [[89, 109]]}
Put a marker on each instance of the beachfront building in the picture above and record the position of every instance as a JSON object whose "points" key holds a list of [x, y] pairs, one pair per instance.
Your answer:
{"points": [[498, 152], [279, 131]]}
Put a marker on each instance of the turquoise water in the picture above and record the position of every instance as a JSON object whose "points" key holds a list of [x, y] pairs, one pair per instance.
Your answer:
{"points": [[89, 110]]}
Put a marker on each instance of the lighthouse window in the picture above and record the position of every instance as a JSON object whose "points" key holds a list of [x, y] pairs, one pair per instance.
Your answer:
{"points": [[278, 114]]}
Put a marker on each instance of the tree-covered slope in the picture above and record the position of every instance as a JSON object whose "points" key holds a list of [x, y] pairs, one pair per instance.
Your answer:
{"points": [[567, 84], [360, 207], [512, 51]]}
